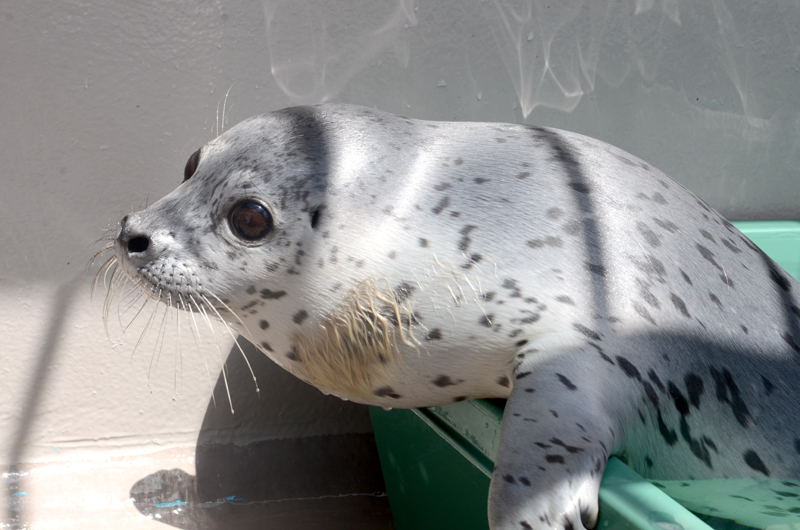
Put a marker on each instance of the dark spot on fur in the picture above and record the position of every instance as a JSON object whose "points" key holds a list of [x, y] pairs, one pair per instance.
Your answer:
{"points": [[768, 386], [504, 381], [708, 236], [596, 269], [403, 291], [434, 334], [566, 382], [387, 391], [650, 393], [679, 305], [569, 448], [580, 187], [651, 237], [554, 459], [292, 354], [669, 435], [300, 316], [694, 387], [708, 256], [423, 242], [263, 324], [686, 277], [441, 205], [265, 345], [586, 331], [266, 294], [523, 374], [779, 279], [564, 299], [681, 405], [549, 241], [752, 459], [444, 381], [728, 392], [315, 217], [656, 381], [731, 245], [473, 260], [787, 336], [648, 297], [554, 213], [251, 289], [486, 321], [642, 311], [666, 225], [628, 367], [463, 245], [714, 299]]}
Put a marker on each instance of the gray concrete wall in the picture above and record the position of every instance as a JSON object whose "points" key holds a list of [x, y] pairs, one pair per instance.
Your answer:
{"points": [[102, 103]]}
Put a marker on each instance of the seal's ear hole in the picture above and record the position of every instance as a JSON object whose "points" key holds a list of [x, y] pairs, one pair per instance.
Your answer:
{"points": [[191, 165], [315, 215], [250, 220]]}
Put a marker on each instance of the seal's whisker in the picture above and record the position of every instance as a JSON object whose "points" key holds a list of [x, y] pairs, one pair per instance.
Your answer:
{"points": [[196, 334], [146, 328], [105, 266], [244, 326], [116, 278], [235, 340], [225, 104], [179, 359], [146, 301], [219, 351], [132, 296], [159, 345]]}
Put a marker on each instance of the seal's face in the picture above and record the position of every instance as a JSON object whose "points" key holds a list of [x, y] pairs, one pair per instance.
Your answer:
{"points": [[236, 219]]}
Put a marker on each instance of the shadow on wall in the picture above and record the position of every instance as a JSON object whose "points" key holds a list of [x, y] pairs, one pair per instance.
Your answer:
{"points": [[250, 476], [39, 378]]}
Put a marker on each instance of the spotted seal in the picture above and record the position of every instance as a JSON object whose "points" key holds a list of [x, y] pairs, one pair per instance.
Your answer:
{"points": [[407, 263]]}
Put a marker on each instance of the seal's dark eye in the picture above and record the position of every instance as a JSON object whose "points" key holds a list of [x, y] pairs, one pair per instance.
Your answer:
{"points": [[191, 165], [250, 220]]}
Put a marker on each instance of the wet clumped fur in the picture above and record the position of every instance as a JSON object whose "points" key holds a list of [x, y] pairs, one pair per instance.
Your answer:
{"points": [[353, 349]]}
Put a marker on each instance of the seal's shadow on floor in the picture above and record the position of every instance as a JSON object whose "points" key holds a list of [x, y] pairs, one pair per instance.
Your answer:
{"points": [[290, 457]]}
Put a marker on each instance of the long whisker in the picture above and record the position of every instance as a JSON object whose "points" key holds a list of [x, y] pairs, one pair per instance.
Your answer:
{"points": [[228, 329], [146, 301], [219, 352], [146, 327], [179, 360], [159, 340], [244, 326], [188, 307]]}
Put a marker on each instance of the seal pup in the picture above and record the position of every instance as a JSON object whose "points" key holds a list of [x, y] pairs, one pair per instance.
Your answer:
{"points": [[407, 263]]}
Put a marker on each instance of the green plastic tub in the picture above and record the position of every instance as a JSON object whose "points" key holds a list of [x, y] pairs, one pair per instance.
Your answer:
{"points": [[437, 462]]}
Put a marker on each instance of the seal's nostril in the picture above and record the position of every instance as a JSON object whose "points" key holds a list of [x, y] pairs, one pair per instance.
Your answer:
{"points": [[138, 244]]}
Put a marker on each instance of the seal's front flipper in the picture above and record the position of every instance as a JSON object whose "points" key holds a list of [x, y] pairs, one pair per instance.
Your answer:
{"points": [[555, 442]]}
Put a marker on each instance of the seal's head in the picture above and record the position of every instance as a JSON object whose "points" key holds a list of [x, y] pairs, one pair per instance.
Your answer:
{"points": [[233, 239], [244, 209]]}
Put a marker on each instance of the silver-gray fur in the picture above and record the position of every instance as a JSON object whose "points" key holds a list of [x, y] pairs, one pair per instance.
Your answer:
{"points": [[406, 263]]}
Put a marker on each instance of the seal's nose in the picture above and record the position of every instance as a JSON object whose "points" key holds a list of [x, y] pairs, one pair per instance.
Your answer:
{"points": [[134, 243], [138, 244]]}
